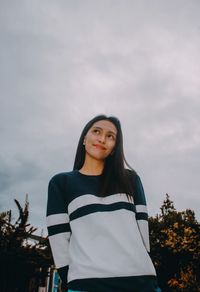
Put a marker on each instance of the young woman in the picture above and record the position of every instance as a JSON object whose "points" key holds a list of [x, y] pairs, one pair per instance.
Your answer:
{"points": [[97, 217]]}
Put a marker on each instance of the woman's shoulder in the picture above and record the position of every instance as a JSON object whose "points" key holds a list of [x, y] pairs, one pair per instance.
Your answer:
{"points": [[62, 176], [134, 178], [131, 173]]}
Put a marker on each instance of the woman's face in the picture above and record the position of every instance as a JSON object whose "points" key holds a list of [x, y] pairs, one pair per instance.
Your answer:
{"points": [[100, 140]]}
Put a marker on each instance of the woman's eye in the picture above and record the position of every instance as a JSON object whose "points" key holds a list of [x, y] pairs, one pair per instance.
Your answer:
{"points": [[111, 137], [96, 131]]}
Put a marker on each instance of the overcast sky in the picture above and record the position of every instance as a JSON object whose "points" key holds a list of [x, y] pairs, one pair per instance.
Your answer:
{"points": [[63, 62]]}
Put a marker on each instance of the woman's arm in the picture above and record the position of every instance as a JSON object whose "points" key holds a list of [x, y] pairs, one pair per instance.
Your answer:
{"points": [[141, 213], [58, 228]]}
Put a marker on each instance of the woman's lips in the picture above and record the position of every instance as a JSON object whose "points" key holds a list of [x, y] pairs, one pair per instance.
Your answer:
{"points": [[99, 146]]}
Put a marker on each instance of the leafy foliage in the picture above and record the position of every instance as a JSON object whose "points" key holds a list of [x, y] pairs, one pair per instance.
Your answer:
{"points": [[21, 259], [175, 248]]}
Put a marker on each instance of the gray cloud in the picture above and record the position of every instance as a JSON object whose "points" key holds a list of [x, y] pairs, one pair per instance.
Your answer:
{"points": [[64, 62]]}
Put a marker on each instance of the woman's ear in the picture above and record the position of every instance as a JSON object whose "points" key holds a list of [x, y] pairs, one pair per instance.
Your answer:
{"points": [[84, 141]]}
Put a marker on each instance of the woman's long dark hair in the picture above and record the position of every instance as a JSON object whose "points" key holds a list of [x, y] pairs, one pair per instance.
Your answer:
{"points": [[115, 177]]}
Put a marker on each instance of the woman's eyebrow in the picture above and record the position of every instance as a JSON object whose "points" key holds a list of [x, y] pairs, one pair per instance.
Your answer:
{"points": [[111, 132], [96, 127]]}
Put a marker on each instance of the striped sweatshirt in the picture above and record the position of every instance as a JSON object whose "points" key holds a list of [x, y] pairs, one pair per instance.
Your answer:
{"points": [[99, 244]]}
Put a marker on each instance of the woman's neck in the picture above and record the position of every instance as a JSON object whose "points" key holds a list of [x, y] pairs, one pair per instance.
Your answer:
{"points": [[92, 167]]}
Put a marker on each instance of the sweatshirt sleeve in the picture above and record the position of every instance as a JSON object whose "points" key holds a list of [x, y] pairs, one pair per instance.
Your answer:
{"points": [[141, 213], [58, 228]]}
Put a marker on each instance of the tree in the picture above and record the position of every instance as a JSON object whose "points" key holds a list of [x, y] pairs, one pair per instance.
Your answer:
{"points": [[22, 261], [175, 248]]}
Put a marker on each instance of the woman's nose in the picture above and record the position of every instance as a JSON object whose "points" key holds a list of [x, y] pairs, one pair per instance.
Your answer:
{"points": [[102, 139]]}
